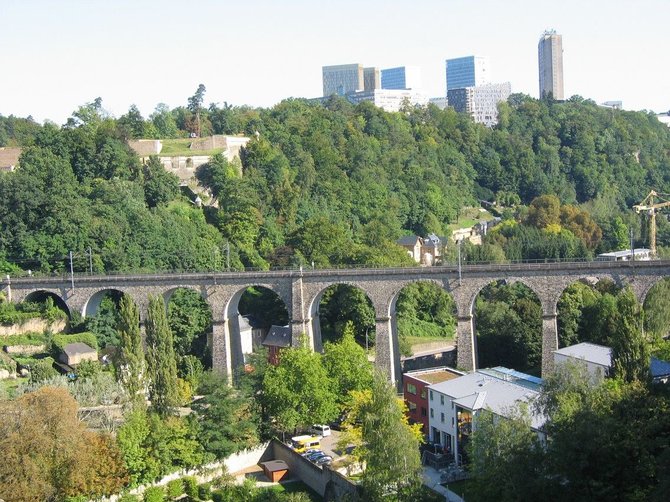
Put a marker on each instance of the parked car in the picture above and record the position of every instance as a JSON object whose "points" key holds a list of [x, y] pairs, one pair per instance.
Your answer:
{"points": [[320, 430], [326, 459], [313, 457], [310, 452]]}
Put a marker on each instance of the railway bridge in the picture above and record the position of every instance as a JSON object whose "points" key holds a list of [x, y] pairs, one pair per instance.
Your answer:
{"points": [[301, 292]]}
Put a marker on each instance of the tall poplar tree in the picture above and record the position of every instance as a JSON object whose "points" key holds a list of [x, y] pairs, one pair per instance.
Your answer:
{"points": [[130, 364], [630, 349], [161, 360]]}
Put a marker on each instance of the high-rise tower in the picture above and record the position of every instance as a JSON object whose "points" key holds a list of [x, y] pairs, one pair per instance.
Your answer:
{"points": [[550, 62], [467, 71]]}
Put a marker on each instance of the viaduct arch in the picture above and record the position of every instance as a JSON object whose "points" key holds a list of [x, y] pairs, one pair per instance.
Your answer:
{"points": [[301, 291]]}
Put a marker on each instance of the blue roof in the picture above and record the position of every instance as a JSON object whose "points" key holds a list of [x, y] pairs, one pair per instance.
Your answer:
{"points": [[659, 368], [529, 381]]}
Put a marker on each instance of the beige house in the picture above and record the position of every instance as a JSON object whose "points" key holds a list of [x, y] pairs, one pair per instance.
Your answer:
{"points": [[9, 158], [74, 353]]}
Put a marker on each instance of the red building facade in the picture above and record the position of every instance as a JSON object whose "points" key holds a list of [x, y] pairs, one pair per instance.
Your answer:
{"points": [[415, 392]]}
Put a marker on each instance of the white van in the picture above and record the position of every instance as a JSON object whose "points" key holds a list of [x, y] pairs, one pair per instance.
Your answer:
{"points": [[320, 430]]}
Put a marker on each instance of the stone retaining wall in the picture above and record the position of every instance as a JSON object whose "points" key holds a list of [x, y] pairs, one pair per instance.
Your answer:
{"points": [[32, 326]]}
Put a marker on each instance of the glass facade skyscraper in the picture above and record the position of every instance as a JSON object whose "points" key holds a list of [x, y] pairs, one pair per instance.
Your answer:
{"points": [[402, 77], [468, 71]]}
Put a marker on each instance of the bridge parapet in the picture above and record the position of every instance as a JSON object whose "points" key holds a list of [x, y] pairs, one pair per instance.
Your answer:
{"points": [[301, 290]]}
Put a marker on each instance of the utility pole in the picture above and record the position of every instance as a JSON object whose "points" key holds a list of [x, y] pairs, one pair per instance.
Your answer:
{"points": [[459, 262], [71, 271], [632, 249], [90, 261], [227, 256]]}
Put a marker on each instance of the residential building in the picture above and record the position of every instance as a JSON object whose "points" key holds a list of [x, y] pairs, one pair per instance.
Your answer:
{"points": [[251, 333], [401, 77], [9, 158], [480, 102], [441, 103], [660, 370], [390, 100], [468, 71], [342, 79], [664, 118], [453, 405], [615, 105], [597, 358], [550, 62], [638, 254], [371, 80], [415, 392], [278, 338], [423, 250], [75, 353], [412, 243]]}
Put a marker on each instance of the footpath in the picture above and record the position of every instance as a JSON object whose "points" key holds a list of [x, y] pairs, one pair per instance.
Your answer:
{"points": [[431, 478]]}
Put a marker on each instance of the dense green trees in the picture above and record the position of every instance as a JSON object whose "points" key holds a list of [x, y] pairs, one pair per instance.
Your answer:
{"points": [[129, 362], [607, 441], [509, 327], [299, 392], [384, 441], [225, 419], [329, 184], [161, 361]]}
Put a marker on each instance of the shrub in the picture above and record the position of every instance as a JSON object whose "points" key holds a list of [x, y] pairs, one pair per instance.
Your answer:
{"points": [[88, 369], [60, 341], [184, 392], [43, 370], [205, 491], [154, 494], [190, 485], [174, 489], [127, 497], [25, 339], [220, 496]]}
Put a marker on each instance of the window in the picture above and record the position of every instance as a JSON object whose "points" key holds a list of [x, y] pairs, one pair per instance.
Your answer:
{"points": [[442, 417], [431, 395], [412, 407], [423, 393], [423, 411], [452, 405], [441, 399], [452, 421], [431, 413], [411, 388]]}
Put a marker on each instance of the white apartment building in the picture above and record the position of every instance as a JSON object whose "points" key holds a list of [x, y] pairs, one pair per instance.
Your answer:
{"points": [[454, 405], [597, 358], [390, 100], [480, 102]]}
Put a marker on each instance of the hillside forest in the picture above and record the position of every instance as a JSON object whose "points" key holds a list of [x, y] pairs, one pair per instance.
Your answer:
{"points": [[336, 184]]}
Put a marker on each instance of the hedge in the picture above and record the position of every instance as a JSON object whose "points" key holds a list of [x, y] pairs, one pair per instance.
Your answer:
{"points": [[24, 339], [58, 342]]}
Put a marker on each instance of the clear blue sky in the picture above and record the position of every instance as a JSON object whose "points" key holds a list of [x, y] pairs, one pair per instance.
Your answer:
{"points": [[57, 55]]}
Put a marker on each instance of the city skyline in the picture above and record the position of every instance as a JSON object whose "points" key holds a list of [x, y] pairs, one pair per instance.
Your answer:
{"points": [[60, 58]]}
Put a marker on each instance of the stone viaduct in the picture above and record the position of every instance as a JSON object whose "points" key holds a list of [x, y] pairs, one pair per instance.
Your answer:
{"points": [[301, 291]]}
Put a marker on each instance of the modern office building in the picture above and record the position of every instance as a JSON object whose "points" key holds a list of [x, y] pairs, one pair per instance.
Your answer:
{"points": [[347, 78], [480, 102], [342, 79], [402, 77], [550, 61], [468, 71], [371, 80], [390, 100], [440, 102]]}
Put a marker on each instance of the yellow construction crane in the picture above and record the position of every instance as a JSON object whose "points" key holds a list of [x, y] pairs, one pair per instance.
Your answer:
{"points": [[651, 207]]}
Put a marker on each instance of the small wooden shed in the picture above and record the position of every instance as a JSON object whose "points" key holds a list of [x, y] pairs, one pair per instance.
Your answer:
{"points": [[275, 470]]}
